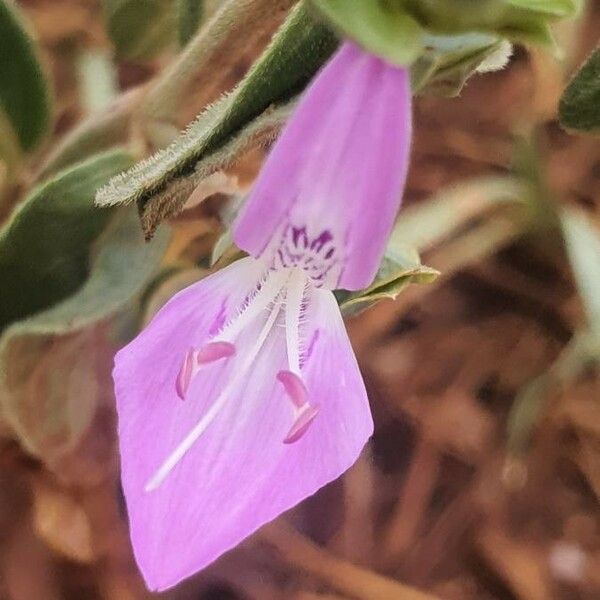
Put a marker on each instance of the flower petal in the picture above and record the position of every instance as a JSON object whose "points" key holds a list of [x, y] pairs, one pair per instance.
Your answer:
{"points": [[338, 167], [239, 474]]}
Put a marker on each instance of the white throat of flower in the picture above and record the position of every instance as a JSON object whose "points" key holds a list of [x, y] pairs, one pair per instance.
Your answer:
{"points": [[281, 290]]}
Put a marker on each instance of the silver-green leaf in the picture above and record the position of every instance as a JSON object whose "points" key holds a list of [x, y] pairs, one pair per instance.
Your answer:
{"points": [[54, 366], [24, 93], [579, 107], [45, 245]]}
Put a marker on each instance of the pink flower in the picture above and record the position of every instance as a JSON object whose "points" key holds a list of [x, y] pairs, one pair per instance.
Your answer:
{"points": [[243, 396]]}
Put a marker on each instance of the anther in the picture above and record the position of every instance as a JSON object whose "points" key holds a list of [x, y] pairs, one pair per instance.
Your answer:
{"points": [[214, 351], [304, 412], [194, 359], [186, 372], [294, 388], [305, 417]]}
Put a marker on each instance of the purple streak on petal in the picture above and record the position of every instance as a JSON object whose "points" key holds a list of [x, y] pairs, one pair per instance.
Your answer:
{"points": [[311, 345], [339, 166], [219, 320], [239, 474]]}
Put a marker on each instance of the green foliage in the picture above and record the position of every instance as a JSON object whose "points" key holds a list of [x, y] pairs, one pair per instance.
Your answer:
{"points": [[555, 8], [394, 29], [175, 194], [24, 95], [10, 148], [55, 366], [400, 266], [579, 107], [251, 114], [189, 17], [518, 20], [383, 28], [140, 29], [44, 247], [449, 60], [288, 63]]}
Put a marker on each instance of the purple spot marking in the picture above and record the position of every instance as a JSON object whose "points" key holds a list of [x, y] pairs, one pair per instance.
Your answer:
{"points": [[318, 243], [299, 235], [311, 345], [219, 320]]}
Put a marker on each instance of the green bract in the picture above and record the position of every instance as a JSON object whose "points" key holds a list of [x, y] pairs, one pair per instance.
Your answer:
{"points": [[383, 28], [400, 266], [393, 29], [449, 60]]}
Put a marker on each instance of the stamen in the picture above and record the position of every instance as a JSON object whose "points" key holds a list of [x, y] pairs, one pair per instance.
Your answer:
{"points": [[214, 351], [293, 306], [216, 407], [303, 420], [185, 374], [294, 387], [209, 353], [304, 412], [270, 289]]}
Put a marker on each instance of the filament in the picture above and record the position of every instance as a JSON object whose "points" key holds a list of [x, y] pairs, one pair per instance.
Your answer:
{"points": [[268, 292], [293, 307]]}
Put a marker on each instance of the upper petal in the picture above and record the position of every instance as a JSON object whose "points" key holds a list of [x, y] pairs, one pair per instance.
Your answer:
{"points": [[339, 166], [239, 474]]}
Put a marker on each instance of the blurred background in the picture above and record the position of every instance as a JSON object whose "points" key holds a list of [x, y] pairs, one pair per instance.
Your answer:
{"points": [[482, 480]]}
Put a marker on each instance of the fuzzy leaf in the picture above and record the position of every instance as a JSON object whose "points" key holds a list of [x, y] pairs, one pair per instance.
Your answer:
{"points": [[55, 366], [579, 107], [24, 95], [292, 58], [140, 29], [175, 195], [382, 28], [44, 247]]}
